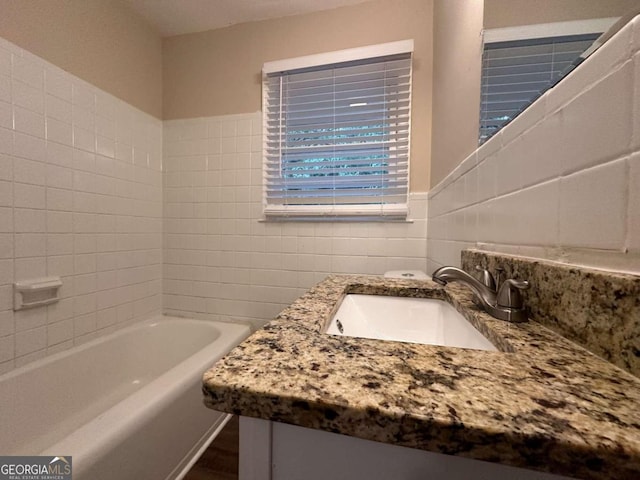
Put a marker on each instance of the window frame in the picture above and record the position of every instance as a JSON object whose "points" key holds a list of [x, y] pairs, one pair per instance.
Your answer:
{"points": [[544, 30], [369, 212]]}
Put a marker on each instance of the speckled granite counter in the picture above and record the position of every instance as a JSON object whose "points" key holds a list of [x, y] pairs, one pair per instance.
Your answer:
{"points": [[542, 402], [597, 309]]}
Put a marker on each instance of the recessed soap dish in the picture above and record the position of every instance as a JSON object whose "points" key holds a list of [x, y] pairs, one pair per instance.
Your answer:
{"points": [[36, 292]]}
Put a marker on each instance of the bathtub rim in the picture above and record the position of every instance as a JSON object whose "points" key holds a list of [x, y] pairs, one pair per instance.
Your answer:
{"points": [[107, 336], [133, 410]]}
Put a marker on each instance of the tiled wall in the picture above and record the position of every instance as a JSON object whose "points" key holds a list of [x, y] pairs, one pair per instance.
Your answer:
{"points": [[562, 181], [80, 198], [223, 262]]}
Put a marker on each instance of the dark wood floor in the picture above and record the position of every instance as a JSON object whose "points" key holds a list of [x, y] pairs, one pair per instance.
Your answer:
{"points": [[220, 460]]}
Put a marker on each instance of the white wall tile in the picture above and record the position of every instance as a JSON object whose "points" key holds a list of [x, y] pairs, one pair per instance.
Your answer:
{"points": [[486, 179], [59, 243], [30, 245], [597, 125], [30, 341], [588, 200], [6, 297], [29, 171], [7, 350], [32, 267], [7, 323], [83, 96], [6, 141], [28, 71], [28, 122], [83, 325], [58, 85], [5, 62], [27, 96], [59, 132], [57, 108], [59, 177], [6, 245], [537, 212], [508, 170], [59, 222], [6, 193], [28, 220], [60, 265], [30, 318], [83, 118], [5, 87], [543, 151], [29, 196], [106, 127], [84, 139], [53, 184], [59, 332], [6, 114], [6, 219], [6, 271], [59, 155], [29, 147], [470, 188]]}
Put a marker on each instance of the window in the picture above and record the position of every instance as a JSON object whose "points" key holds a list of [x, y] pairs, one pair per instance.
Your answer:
{"points": [[337, 134], [520, 65]]}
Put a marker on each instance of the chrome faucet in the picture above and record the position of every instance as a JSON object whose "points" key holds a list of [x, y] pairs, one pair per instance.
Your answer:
{"points": [[504, 304]]}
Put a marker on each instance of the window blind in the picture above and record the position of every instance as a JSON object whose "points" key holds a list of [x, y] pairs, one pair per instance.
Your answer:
{"points": [[337, 138], [515, 73]]}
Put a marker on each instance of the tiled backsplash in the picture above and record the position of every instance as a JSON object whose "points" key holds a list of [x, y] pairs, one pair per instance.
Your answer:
{"points": [[223, 262], [596, 309], [562, 181], [80, 198]]}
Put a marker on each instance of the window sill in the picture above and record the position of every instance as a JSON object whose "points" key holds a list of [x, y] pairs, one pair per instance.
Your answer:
{"points": [[334, 219]]}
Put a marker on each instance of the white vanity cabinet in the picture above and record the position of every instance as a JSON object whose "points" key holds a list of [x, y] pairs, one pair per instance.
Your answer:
{"points": [[277, 451]]}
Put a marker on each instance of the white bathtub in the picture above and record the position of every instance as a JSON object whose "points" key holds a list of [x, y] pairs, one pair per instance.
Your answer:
{"points": [[125, 406]]}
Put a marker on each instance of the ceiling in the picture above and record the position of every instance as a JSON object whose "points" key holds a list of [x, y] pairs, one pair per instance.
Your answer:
{"points": [[176, 17]]}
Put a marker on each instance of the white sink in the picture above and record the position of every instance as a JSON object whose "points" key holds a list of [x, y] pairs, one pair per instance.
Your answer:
{"points": [[403, 319]]}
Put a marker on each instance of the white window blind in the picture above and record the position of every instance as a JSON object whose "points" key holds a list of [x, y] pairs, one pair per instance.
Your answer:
{"points": [[516, 73], [337, 138]]}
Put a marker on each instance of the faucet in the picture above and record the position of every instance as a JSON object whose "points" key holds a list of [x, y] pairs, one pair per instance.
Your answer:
{"points": [[504, 304]]}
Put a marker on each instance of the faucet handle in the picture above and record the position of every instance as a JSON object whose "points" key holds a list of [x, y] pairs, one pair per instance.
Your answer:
{"points": [[487, 278], [499, 272], [509, 294]]}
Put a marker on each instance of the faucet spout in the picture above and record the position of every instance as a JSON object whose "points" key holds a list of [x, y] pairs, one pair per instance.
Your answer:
{"points": [[445, 275], [511, 311]]}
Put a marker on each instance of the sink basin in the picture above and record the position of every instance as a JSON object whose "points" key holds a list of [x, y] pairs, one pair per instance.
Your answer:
{"points": [[403, 319]]}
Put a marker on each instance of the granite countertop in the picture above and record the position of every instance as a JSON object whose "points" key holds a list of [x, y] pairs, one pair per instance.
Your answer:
{"points": [[541, 402]]}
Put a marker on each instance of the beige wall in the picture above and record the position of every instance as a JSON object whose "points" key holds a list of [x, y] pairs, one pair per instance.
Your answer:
{"points": [[508, 13], [100, 41], [457, 56], [218, 72]]}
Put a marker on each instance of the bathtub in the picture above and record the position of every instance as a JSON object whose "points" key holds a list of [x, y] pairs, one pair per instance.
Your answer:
{"points": [[124, 406]]}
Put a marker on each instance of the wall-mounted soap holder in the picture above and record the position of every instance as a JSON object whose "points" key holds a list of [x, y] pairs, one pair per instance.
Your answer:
{"points": [[36, 292]]}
